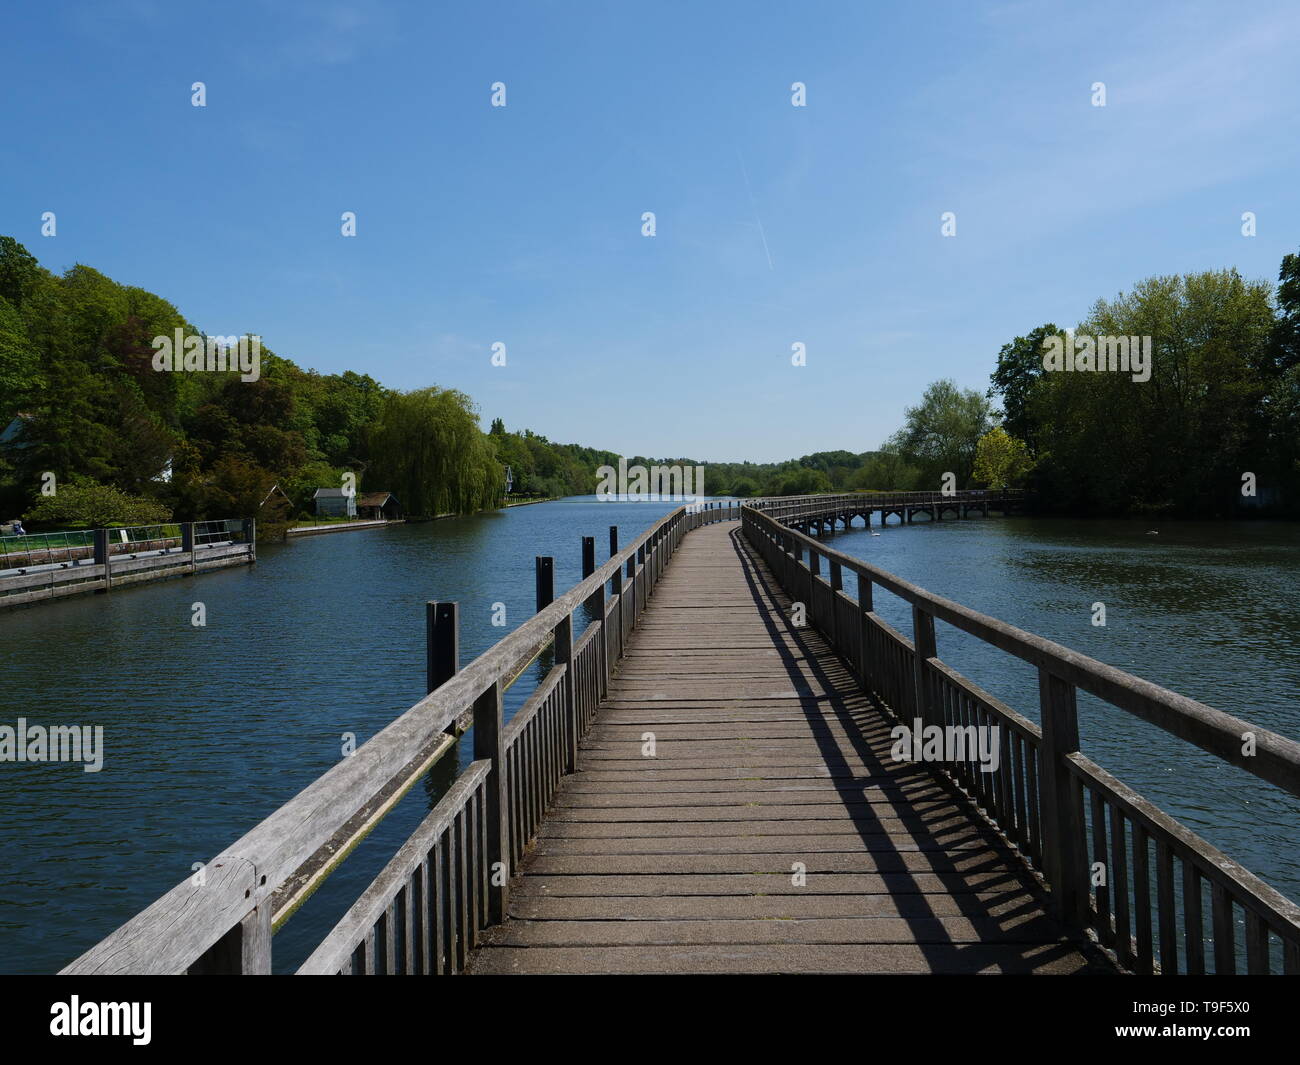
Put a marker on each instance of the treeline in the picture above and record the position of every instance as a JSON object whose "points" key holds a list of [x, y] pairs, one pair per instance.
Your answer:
{"points": [[1216, 428], [823, 471], [541, 468], [1210, 426], [89, 426]]}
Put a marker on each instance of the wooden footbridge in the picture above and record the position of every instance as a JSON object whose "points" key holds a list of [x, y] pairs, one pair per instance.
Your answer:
{"points": [[707, 780], [820, 514]]}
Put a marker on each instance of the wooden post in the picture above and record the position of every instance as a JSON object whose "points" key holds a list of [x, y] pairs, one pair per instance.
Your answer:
{"points": [[563, 642], [1065, 862], [487, 744], [250, 537], [544, 567], [865, 607], [588, 556], [243, 951], [643, 579], [837, 583], [616, 585], [598, 605], [102, 557], [923, 639], [187, 544], [441, 642]]}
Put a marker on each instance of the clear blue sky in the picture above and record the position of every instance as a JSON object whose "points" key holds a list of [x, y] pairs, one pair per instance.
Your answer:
{"points": [[776, 224]]}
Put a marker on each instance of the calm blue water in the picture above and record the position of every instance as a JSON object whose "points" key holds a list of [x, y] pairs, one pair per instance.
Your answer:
{"points": [[207, 730]]}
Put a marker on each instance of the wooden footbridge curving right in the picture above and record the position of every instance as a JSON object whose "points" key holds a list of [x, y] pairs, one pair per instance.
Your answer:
{"points": [[705, 782]]}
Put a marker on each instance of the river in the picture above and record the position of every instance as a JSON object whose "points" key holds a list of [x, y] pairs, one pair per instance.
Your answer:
{"points": [[208, 729]]}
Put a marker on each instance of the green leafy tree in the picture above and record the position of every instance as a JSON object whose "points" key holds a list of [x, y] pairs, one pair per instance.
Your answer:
{"points": [[1019, 368], [941, 433], [1001, 460], [87, 503], [427, 448], [1179, 441], [1286, 332]]}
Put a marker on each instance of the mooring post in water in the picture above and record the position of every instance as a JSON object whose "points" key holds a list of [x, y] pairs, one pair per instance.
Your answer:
{"points": [[588, 556], [187, 544], [441, 643], [545, 573], [101, 554]]}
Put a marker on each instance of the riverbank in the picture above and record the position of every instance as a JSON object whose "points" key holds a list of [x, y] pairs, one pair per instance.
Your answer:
{"points": [[339, 526], [529, 502]]}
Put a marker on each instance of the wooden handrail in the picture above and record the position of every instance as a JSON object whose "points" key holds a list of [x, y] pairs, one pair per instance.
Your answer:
{"points": [[1069, 817], [1277, 759], [229, 902]]}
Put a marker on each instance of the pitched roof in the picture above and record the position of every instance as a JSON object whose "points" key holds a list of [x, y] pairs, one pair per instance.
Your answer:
{"points": [[375, 499], [328, 493]]}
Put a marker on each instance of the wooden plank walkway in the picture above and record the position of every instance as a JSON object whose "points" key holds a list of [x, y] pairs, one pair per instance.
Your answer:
{"points": [[767, 755]]}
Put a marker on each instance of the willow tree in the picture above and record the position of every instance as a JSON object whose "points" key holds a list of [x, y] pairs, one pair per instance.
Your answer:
{"points": [[428, 450]]}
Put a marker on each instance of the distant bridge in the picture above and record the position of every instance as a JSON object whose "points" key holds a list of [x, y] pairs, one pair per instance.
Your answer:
{"points": [[702, 784], [820, 514]]}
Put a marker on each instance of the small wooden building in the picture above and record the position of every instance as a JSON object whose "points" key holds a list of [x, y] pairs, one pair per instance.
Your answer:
{"points": [[379, 505], [335, 503]]}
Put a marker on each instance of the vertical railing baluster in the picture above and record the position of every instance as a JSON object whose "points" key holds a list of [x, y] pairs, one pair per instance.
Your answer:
{"points": [[1165, 909], [1099, 858], [1225, 945], [1193, 920], [1142, 901], [924, 643], [1119, 887], [487, 744], [1257, 959], [1065, 862]]}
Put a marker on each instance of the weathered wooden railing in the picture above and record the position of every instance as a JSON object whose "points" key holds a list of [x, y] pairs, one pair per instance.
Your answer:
{"points": [[1061, 809], [426, 909], [51, 565]]}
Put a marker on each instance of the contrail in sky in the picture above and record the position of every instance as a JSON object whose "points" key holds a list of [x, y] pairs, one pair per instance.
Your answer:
{"points": [[754, 206]]}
